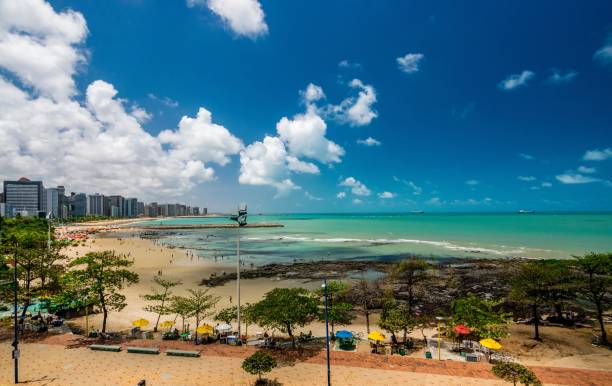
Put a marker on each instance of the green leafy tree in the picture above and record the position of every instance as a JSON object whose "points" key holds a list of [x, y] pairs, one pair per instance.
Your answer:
{"points": [[259, 363], [228, 314], [161, 297], [514, 372], [286, 309], [533, 286], [410, 274], [484, 317], [396, 317], [39, 267], [594, 271], [104, 274], [338, 310], [365, 296], [200, 304], [180, 307], [247, 315]]}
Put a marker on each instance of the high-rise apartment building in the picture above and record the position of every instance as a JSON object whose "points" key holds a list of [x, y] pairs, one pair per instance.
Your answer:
{"points": [[95, 205], [24, 197], [131, 207], [52, 202]]}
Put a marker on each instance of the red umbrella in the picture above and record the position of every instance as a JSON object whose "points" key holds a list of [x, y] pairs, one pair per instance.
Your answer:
{"points": [[462, 330]]}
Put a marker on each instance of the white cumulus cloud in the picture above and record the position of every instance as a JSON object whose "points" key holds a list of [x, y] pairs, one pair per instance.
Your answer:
{"points": [[526, 178], [369, 142], [387, 195], [357, 187], [244, 17], [41, 47], [200, 138], [312, 93], [575, 178], [305, 137], [597, 155], [341, 195], [409, 63], [97, 145], [558, 77], [586, 170], [265, 163], [355, 111], [516, 80], [472, 182], [604, 54]]}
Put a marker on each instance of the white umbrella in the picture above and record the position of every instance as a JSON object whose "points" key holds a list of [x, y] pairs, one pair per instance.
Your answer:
{"points": [[223, 327]]}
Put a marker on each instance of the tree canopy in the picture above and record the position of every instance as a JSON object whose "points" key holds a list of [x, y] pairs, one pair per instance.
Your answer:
{"points": [[286, 309], [594, 284], [102, 275], [160, 297], [534, 285], [484, 317], [338, 310], [259, 363], [514, 372], [199, 305]]}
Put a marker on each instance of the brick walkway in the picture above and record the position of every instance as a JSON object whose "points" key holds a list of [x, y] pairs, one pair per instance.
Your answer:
{"points": [[548, 375]]}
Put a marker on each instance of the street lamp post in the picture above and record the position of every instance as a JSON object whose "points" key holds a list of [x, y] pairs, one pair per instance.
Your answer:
{"points": [[15, 304], [241, 220], [238, 281], [327, 332]]}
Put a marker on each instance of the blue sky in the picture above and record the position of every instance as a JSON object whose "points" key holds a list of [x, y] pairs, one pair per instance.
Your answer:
{"points": [[493, 106]]}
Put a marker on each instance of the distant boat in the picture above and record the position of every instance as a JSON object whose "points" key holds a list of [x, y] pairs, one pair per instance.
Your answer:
{"points": [[417, 212], [523, 211]]}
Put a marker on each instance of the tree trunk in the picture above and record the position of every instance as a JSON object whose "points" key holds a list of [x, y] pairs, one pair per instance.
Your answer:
{"points": [[405, 334], [162, 308], [291, 335], [536, 321], [559, 310], [196, 328], [105, 314], [367, 316], [604, 335]]}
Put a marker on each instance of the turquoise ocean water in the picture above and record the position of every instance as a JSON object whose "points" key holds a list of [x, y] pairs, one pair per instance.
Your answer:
{"points": [[389, 236]]}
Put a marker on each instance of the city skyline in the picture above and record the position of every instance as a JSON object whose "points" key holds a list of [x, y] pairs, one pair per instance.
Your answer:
{"points": [[386, 107], [24, 197]]}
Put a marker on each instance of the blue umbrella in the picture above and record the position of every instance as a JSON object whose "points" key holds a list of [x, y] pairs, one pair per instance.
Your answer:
{"points": [[343, 334]]}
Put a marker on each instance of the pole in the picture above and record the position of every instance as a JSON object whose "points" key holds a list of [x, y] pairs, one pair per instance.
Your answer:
{"points": [[238, 279], [439, 340], [327, 332], [16, 337]]}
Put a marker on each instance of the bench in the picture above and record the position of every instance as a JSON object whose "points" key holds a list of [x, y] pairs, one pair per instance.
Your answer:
{"points": [[105, 347], [143, 350], [183, 353]]}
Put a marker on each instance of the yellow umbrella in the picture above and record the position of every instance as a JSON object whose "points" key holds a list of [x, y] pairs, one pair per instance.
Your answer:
{"points": [[166, 324], [490, 343], [376, 336], [205, 329], [140, 323]]}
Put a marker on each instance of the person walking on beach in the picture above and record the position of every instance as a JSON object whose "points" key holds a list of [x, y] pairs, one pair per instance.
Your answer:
{"points": [[230, 299]]}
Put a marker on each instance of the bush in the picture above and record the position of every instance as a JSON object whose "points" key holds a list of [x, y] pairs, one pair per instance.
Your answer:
{"points": [[259, 363], [514, 372]]}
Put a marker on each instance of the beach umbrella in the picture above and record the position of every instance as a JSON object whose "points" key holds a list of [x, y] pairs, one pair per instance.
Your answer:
{"points": [[462, 330], [166, 324], [224, 327], [343, 334], [204, 329], [490, 343], [376, 336], [140, 323]]}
